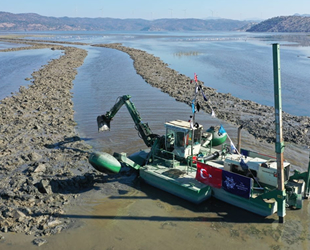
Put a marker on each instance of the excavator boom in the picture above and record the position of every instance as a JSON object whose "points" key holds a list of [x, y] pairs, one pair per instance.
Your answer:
{"points": [[103, 121]]}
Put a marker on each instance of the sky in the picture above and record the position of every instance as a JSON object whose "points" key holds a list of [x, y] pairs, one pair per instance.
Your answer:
{"points": [[156, 9]]}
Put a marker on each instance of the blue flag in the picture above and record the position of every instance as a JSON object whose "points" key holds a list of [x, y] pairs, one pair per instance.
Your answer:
{"points": [[237, 184], [233, 148], [204, 97], [193, 106], [221, 130], [243, 165]]}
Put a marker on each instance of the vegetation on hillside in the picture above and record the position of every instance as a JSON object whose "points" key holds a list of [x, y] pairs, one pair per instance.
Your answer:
{"points": [[283, 24]]}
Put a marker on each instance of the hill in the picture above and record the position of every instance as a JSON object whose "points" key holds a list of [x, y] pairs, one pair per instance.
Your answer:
{"points": [[294, 23], [35, 22]]}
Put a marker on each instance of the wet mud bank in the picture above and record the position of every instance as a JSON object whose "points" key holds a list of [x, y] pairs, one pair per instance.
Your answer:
{"points": [[257, 119], [43, 162]]}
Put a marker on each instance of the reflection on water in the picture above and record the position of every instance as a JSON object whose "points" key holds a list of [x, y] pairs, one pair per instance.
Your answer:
{"points": [[190, 53], [239, 63]]}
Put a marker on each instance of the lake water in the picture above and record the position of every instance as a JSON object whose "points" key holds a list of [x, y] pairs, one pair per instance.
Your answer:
{"points": [[145, 217], [231, 62]]}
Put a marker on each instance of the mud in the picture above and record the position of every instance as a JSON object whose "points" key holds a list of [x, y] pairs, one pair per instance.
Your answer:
{"points": [[44, 163], [257, 119]]}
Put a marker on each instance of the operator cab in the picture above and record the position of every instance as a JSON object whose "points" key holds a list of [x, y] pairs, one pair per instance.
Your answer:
{"points": [[179, 138]]}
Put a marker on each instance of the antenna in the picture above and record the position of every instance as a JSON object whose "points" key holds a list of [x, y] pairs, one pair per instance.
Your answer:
{"points": [[171, 12], [211, 12]]}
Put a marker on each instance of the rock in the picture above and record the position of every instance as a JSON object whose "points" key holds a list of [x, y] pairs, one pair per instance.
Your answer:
{"points": [[34, 156], [54, 223], [40, 168], [4, 229], [18, 214], [44, 187], [1, 218], [39, 242]]}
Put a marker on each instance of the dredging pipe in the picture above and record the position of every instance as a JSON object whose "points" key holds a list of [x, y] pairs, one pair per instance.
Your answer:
{"points": [[279, 147]]}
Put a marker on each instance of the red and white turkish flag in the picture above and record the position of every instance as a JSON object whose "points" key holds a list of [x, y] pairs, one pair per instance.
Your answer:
{"points": [[209, 175]]}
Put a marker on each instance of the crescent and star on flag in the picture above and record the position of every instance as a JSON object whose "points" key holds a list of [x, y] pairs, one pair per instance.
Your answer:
{"points": [[206, 175]]}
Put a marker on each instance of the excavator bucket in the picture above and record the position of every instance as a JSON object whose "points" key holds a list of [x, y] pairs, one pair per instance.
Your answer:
{"points": [[103, 123]]}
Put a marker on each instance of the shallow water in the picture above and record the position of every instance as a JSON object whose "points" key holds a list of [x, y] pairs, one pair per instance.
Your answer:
{"points": [[128, 214], [16, 66], [236, 62], [145, 218], [95, 94]]}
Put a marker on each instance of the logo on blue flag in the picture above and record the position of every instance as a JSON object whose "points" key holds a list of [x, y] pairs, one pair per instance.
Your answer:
{"points": [[237, 184]]}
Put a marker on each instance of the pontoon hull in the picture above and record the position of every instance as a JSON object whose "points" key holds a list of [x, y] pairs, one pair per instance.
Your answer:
{"points": [[253, 205], [185, 187]]}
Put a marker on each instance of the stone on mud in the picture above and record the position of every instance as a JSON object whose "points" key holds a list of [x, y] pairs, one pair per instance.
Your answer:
{"points": [[39, 242]]}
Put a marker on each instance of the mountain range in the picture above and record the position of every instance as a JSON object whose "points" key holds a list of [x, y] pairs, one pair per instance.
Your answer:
{"points": [[35, 22]]}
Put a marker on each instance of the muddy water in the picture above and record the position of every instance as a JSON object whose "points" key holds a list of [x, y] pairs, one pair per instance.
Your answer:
{"points": [[145, 218], [125, 213]]}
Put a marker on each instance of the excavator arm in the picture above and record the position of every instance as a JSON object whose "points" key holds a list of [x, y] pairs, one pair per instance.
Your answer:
{"points": [[103, 121]]}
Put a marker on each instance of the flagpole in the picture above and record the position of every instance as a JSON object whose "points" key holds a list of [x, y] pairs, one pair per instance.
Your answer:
{"points": [[194, 111]]}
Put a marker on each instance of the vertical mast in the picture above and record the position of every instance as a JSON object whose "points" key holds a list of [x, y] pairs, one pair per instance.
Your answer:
{"points": [[279, 147]]}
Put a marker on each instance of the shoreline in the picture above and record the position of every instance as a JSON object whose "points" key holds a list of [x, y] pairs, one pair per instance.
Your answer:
{"points": [[44, 163]]}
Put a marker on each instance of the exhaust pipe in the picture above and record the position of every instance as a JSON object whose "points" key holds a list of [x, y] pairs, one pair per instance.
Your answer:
{"points": [[212, 156]]}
